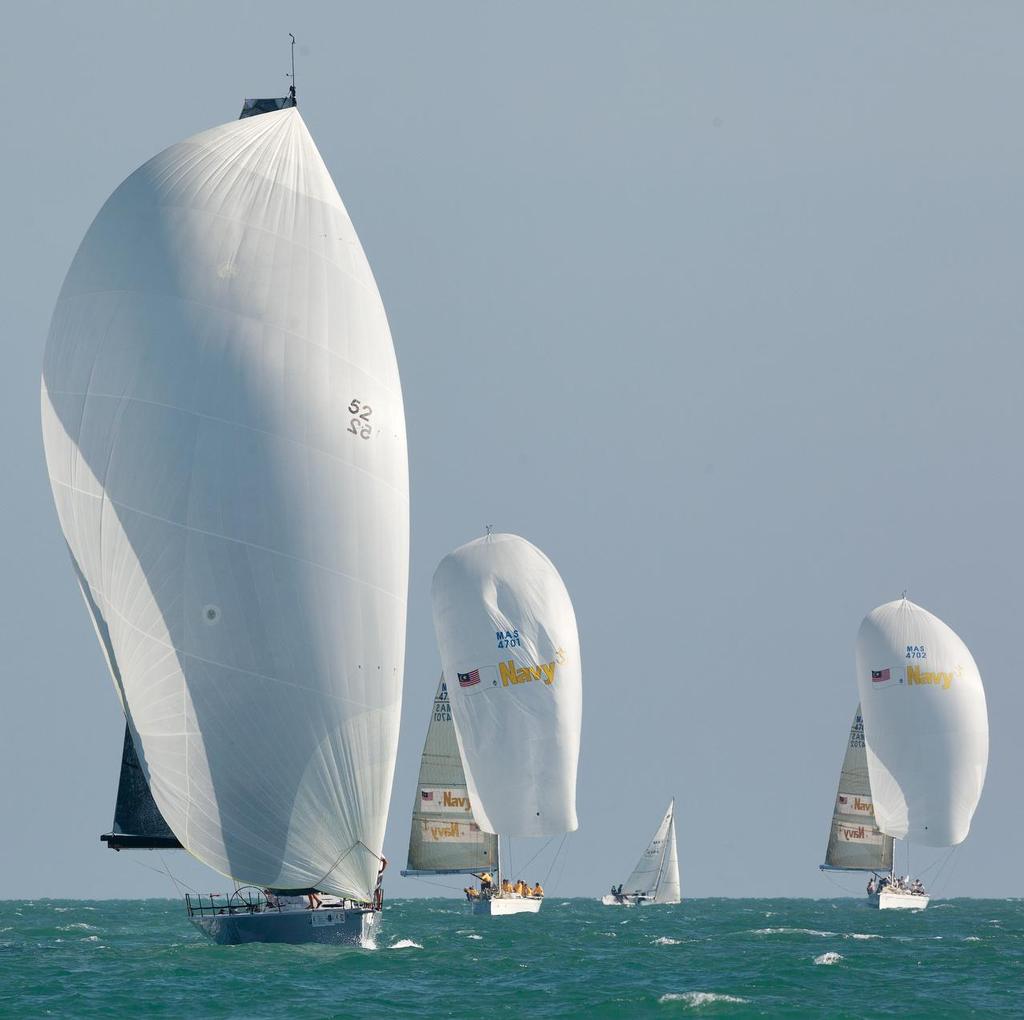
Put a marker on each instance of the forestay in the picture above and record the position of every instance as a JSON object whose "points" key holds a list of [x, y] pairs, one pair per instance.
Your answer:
{"points": [[444, 837], [656, 875], [510, 649], [855, 842], [225, 440], [925, 724]]}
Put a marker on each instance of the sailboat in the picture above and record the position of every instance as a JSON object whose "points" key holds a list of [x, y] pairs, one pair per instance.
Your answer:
{"points": [[225, 440], [655, 879], [507, 635], [444, 839], [925, 733], [855, 843]]}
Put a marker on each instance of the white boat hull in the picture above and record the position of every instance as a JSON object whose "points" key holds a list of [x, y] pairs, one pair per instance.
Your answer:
{"points": [[897, 901], [499, 906], [327, 925]]}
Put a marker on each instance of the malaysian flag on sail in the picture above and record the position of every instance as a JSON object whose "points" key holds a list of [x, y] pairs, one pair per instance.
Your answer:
{"points": [[885, 677], [469, 679]]}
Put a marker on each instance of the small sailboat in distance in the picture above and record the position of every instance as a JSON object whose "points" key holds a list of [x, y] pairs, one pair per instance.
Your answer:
{"points": [[444, 839], [225, 440], [925, 733], [655, 879], [508, 641]]}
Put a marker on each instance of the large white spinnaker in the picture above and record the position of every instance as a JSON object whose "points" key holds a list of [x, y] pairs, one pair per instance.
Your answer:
{"points": [[855, 842], [445, 838], [510, 651], [225, 439], [656, 875], [925, 724]]}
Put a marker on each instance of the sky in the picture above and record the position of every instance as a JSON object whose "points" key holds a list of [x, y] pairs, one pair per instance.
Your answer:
{"points": [[718, 304]]}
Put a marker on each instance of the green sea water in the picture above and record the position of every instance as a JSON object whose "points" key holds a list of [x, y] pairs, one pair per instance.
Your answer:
{"points": [[713, 957]]}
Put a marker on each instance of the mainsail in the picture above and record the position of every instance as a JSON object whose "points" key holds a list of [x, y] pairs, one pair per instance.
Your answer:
{"points": [[925, 724], [138, 824], [854, 841], [656, 875], [510, 650], [225, 440], [444, 838]]}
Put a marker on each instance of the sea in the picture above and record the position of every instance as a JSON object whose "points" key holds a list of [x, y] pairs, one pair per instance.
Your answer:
{"points": [[432, 958]]}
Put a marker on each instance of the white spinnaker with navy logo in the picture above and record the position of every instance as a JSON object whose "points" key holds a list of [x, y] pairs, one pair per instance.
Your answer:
{"points": [[925, 724], [225, 440], [511, 655], [656, 874]]}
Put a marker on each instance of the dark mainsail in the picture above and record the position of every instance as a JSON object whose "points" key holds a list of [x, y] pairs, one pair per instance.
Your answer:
{"points": [[138, 824]]}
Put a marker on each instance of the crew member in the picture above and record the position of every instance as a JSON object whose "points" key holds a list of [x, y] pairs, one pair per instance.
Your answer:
{"points": [[538, 890]]}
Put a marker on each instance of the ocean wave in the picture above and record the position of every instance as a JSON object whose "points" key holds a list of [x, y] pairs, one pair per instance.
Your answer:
{"points": [[971, 938], [665, 941], [826, 959], [792, 931], [80, 926], [474, 936], [697, 999], [858, 935], [406, 944]]}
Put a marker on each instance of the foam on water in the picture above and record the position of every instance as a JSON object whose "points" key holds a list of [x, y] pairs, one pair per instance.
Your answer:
{"points": [[665, 941], [405, 944], [697, 999], [827, 959]]}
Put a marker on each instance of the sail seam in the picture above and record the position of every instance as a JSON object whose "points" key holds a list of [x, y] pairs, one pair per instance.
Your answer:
{"points": [[88, 395], [248, 318], [225, 538]]}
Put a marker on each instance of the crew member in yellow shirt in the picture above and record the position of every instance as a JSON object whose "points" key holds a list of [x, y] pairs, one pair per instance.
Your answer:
{"points": [[538, 890]]}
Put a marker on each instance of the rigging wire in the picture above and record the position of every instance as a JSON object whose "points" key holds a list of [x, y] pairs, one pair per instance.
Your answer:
{"points": [[165, 872], [555, 859]]}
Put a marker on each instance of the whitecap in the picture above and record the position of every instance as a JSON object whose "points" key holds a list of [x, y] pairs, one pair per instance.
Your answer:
{"points": [[971, 938], [793, 931], [474, 936], [406, 944], [665, 941], [609, 934], [827, 959], [698, 999], [858, 935]]}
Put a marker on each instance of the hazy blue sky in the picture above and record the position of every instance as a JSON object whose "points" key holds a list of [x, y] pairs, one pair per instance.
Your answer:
{"points": [[719, 304]]}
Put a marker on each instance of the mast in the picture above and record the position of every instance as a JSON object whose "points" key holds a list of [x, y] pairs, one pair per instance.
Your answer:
{"points": [[291, 88]]}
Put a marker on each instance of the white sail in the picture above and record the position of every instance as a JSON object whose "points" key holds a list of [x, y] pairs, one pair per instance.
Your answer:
{"points": [[225, 440], [510, 650], [444, 837], [925, 723], [658, 865], [668, 888], [855, 842]]}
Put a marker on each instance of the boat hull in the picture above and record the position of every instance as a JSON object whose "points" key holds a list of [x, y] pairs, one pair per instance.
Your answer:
{"points": [[897, 901], [327, 926], [500, 906]]}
